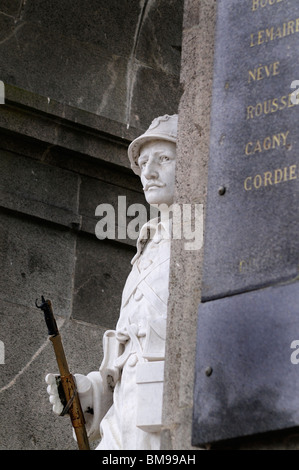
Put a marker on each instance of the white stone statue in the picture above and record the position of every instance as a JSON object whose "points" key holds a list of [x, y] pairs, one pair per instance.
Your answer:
{"points": [[125, 394]]}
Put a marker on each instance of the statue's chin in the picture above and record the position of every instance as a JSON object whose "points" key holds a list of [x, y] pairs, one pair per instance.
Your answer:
{"points": [[159, 202], [152, 198]]}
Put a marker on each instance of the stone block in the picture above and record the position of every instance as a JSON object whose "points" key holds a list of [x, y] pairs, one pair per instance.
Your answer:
{"points": [[94, 193], [6, 26], [35, 260], [65, 69], [191, 182], [40, 190], [101, 271], [10, 7], [162, 91], [89, 57], [162, 52], [50, 129], [109, 25]]}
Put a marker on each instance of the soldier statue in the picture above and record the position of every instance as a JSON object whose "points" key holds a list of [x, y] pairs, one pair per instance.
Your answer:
{"points": [[122, 401]]}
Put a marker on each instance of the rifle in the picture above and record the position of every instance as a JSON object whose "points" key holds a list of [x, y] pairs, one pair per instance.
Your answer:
{"points": [[73, 406]]}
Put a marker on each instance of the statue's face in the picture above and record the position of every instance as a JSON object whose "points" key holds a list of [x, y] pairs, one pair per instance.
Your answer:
{"points": [[157, 165]]}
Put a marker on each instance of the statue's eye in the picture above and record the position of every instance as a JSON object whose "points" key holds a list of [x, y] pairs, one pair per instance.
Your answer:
{"points": [[143, 164], [164, 158]]}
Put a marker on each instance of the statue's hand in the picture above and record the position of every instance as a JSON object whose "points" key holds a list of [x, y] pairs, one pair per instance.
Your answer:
{"points": [[95, 399], [55, 392], [57, 397]]}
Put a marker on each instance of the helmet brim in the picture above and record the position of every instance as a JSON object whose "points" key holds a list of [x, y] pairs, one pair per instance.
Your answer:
{"points": [[135, 146]]}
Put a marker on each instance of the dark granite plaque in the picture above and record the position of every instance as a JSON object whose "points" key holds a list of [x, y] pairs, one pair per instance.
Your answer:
{"points": [[252, 220], [245, 382]]}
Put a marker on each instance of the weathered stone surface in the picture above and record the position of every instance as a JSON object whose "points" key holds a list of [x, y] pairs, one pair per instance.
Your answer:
{"points": [[40, 190], [160, 89], [39, 259], [75, 82], [191, 180], [65, 69], [35, 260], [45, 111], [110, 25], [163, 51], [27, 420], [6, 26], [94, 193], [45, 121], [101, 271], [11, 7], [89, 57]]}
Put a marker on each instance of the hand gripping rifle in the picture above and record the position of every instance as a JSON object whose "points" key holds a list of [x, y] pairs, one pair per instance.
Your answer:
{"points": [[73, 406]]}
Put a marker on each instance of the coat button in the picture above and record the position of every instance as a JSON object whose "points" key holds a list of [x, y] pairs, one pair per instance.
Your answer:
{"points": [[132, 361], [157, 238], [138, 295]]}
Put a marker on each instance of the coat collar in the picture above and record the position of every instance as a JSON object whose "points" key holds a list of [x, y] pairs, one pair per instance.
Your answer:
{"points": [[153, 228]]}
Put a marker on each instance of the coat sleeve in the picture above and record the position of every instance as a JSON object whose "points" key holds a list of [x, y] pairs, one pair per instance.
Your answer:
{"points": [[96, 399]]}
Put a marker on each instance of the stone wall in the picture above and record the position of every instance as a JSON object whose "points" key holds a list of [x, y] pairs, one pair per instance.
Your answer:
{"points": [[81, 84], [191, 184], [186, 267], [118, 59]]}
